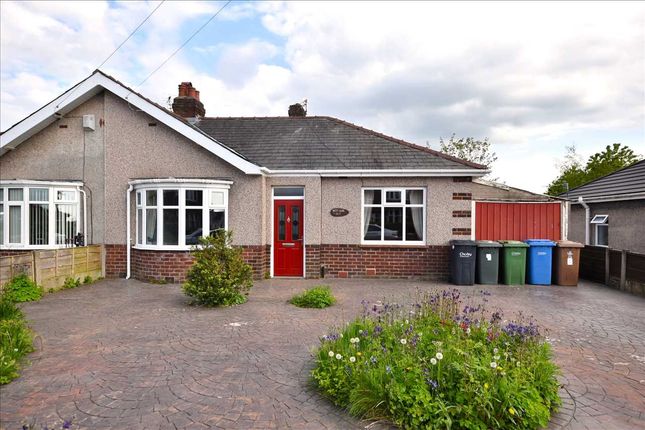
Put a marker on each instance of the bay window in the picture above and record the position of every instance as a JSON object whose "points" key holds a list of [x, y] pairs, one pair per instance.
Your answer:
{"points": [[174, 215], [393, 216], [38, 214]]}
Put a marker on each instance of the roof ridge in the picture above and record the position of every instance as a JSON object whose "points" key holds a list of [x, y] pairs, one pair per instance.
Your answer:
{"points": [[406, 143]]}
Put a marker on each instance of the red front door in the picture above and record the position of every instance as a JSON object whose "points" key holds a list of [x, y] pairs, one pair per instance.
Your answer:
{"points": [[288, 246]]}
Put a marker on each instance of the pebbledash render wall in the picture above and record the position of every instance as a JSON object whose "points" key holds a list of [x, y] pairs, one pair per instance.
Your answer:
{"points": [[333, 244], [128, 144]]}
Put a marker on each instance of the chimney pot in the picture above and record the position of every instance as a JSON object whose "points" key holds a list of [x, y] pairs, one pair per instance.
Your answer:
{"points": [[187, 103], [297, 110]]}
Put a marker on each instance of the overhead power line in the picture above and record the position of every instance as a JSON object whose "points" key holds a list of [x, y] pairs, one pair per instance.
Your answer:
{"points": [[185, 43], [120, 45], [131, 34]]}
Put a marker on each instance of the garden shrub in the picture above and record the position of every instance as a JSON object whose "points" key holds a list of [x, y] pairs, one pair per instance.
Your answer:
{"points": [[88, 280], [15, 339], [71, 283], [317, 297], [219, 275], [22, 289], [440, 363]]}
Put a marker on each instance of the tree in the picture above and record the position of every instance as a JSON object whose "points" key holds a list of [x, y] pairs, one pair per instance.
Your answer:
{"points": [[573, 174], [476, 151]]}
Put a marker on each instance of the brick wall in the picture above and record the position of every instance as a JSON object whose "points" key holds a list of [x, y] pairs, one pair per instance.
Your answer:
{"points": [[10, 252], [427, 262], [462, 196], [170, 266], [353, 261], [115, 261]]}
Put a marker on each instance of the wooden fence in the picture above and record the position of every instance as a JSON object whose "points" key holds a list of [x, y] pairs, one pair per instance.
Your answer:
{"points": [[619, 269], [50, 268]]}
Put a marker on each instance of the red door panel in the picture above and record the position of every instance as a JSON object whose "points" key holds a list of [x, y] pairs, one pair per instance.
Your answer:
{"points": [[288, 246], [517, 221]]}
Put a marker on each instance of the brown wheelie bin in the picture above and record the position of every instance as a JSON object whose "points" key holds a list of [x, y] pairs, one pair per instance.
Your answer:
{"points": [[566, 262]]}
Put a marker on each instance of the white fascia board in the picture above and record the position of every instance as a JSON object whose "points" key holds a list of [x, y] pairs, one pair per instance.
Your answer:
{"points": [[92, 86], [378, 173]]}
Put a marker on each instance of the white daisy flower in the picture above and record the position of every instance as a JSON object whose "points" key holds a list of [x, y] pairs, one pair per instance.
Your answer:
{"points": [[404, 341], [338, 356], [495, 350], [331, 353], [492, 364], [433, 361], [439, 356], [352, 359]]}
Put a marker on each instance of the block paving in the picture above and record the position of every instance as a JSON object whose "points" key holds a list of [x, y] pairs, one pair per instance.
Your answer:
{"points": [[128, 355]]}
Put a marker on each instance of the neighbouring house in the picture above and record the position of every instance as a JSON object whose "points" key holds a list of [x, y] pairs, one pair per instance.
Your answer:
{"points": [[610, 211], [304, 196]]}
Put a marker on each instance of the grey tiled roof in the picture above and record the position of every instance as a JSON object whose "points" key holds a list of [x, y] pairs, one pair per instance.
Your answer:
{"points": [[624, 184], [324, 143]]}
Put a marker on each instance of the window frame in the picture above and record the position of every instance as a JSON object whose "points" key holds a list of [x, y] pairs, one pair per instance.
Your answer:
{"points": [[598, 226], [25, 204], [141, 206], [402, 204]]}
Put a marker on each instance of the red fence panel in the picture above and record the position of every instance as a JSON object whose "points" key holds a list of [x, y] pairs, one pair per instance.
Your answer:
{"points": [[517, 221]]}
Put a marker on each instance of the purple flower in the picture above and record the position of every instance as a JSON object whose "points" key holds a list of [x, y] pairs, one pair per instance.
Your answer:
{"points": [[373, 359], [67, 424], [432, 384]]}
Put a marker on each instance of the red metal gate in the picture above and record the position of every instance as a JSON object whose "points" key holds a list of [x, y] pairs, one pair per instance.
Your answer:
{"points": [[517, 221]]}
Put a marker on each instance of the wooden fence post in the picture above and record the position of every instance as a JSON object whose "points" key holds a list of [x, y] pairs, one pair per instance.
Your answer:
{"points": [[607, 266], [623, 269], [34, 258]]}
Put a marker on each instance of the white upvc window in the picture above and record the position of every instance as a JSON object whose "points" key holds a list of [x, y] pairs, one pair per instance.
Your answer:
{"points": [[601, 223], [393, 216], [174, 215], [38, 214]]}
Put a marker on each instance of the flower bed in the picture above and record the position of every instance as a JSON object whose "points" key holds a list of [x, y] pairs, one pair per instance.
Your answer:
{"points": [[441, 362]]}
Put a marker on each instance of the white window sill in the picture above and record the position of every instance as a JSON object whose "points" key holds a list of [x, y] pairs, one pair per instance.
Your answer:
{"points": [[391, 243], [162, 248]]}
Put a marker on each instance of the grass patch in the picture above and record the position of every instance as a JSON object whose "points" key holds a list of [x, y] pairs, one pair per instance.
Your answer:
{"points": [[316, 297], [442, 362], [15, 339]]}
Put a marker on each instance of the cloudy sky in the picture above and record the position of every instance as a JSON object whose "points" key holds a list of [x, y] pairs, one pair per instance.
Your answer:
{"points": [[532, 77]]}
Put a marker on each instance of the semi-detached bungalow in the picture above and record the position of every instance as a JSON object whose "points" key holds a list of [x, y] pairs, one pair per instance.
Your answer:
{"points": [[304, 196]]}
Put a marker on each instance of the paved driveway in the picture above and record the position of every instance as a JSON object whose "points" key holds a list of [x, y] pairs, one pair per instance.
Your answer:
{"points": [[123, 354]]}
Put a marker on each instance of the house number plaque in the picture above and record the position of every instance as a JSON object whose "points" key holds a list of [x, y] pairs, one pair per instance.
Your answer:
{"points": [[338, 212]]}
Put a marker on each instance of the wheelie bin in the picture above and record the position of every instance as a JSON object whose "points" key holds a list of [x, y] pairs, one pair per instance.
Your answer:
{"points": [[513, 262], [462, 262], [487, 267], [566, 262], [539, 261]]}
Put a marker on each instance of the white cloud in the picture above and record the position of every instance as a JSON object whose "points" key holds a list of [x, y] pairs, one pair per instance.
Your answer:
{"points": [[530, 76]]}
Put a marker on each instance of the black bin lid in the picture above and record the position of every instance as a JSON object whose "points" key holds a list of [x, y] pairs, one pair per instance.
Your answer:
{"points": [[488, 244], [462, 242]]}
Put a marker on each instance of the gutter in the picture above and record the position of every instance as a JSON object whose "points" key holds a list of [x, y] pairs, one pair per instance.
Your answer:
{"points": [[587, 217], [375, 172]]}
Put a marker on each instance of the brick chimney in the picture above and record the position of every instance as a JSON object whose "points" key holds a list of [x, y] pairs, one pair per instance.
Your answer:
{"points": [[187, 103], [297, 109]]}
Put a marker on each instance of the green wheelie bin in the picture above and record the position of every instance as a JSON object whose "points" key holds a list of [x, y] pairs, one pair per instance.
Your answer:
{"points": [[513, 262], [487, 262]]}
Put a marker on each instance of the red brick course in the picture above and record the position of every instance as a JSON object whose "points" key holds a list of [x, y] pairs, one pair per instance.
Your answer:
{"points": [[357, 261], [461, 214], [351, 261], [10, 252], [461, 231], [462, 196], [115, 261], [170, 266]]}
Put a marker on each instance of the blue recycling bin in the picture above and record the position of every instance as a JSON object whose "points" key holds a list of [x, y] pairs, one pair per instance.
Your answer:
{"points": [[539, 261]]}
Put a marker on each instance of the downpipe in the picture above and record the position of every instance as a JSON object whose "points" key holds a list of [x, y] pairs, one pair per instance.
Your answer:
{"points": [[587, 217], [127, 230]]}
